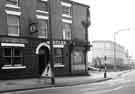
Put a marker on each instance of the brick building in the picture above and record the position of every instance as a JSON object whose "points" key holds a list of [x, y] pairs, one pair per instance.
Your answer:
{"points": [[24, 37]]}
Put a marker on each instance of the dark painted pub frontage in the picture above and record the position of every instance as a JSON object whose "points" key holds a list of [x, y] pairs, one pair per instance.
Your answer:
{"points": [[24, 37]]}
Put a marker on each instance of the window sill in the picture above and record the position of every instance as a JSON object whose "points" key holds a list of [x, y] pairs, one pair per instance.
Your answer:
{"points": [[44, 0], [12, 6], [67, 21], [40, 11], [65, 15], [13, 35], [58, 66], [42, 17], [13, 67]]}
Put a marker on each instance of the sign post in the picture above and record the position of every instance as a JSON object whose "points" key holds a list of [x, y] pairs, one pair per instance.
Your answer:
{"points": [[105, 67], [47, 72]]}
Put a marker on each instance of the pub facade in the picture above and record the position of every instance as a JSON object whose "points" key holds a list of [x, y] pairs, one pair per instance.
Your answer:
{"points": [[25, 41]]}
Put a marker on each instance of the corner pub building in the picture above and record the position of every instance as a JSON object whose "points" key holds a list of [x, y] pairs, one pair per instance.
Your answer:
{"points": [[24, 37]]}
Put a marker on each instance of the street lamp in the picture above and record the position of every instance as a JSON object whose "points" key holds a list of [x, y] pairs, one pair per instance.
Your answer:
{"points": [[105, 67], [51, 42], [115, 33]]}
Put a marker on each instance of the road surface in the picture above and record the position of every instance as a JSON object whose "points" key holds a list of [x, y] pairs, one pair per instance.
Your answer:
{"points": [[121, 85]]}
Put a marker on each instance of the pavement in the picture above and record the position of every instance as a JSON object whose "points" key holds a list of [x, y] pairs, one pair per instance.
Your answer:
{"points": [[35, 83]]}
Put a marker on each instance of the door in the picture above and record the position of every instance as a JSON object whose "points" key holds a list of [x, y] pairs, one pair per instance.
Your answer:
{"points": [[43, 59]]}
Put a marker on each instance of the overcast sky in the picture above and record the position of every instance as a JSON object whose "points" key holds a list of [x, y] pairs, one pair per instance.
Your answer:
{"points": [[109, 16]]}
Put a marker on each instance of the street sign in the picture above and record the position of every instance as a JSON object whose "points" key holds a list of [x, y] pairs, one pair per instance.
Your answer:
{"points": [[47, 72]]}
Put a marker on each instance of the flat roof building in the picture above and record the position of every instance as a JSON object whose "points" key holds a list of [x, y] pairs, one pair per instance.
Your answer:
{"points": [[115, 53]]}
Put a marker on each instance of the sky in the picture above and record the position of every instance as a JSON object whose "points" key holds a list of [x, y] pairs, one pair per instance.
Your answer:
{"points": [[109, 16]]}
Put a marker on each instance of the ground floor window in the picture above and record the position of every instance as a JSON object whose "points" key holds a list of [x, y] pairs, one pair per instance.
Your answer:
{"points": [[77, 60], [58, 53], [13, 56]]}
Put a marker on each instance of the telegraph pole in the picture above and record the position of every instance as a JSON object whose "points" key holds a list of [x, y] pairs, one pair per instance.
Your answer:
{"points": [[51, 42], [115, 44], [114, 51]]}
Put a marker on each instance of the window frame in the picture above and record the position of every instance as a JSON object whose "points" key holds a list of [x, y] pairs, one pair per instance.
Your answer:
{"points": [[14, 25], [68, 9], [43, 18], [12, 57], [59, 64], [46, 7], [13, 5], [66, 35]]}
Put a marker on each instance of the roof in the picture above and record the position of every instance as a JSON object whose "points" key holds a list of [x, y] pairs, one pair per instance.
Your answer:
{"points": [[107, 41], [74, 2]]}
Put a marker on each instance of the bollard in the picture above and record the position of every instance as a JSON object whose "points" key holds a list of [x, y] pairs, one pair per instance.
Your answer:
{"points": [[105, 74]]}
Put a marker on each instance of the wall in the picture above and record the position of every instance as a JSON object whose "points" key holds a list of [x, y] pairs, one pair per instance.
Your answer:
{"points": [[106, 48], [79, 15], [3, 24]]}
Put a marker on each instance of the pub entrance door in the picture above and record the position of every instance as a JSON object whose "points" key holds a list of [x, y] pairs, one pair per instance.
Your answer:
{"points": [[43, 58]]}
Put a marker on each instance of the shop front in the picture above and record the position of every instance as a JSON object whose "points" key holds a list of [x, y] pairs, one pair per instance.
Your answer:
{"points": [[79, 58], [27, 58], [78, 61], [12, 57]]}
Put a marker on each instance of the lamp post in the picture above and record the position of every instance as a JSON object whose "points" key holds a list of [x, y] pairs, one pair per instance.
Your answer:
{"points": [[105, 67], [51, 41], [115, 33]]}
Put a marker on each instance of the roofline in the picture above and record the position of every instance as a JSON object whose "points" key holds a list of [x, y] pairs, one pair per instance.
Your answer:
{"points": [[74, 2], [108, 41], [103, 41], [80, 4]]}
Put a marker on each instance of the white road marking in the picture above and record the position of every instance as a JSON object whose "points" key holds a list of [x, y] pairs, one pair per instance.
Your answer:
{"points": [[110, 84], [104, 91]]}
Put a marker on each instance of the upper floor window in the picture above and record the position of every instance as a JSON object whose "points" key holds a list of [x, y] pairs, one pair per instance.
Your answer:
{"points": [[42, 5], [67, 31], [67, 9], [42, 28], [13, 24], [13, 2]]}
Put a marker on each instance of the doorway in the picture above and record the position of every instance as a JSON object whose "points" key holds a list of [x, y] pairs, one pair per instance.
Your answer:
{"points": [[43, 58]]}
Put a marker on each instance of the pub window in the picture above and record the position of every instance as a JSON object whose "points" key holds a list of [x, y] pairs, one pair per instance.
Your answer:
{"points": [[42, 28], [67, 31], [13, 2], [58, 56], [13, 25], [13, 56]]}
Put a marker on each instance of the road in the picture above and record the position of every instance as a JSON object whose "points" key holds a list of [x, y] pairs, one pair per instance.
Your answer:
{"points": [[121, 85]]}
